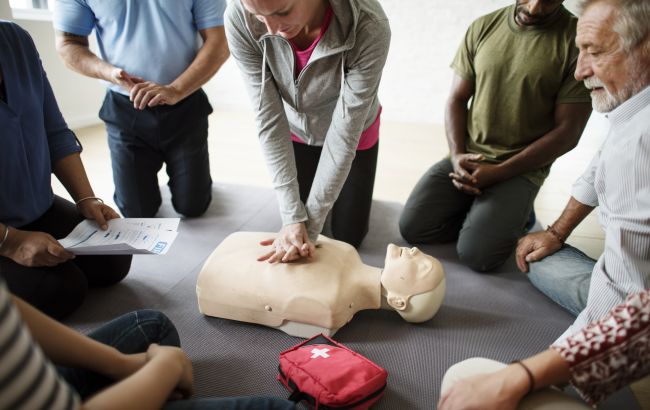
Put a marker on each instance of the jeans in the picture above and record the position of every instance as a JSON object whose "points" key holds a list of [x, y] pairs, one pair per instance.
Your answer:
{"points": [[487, 226], [350, 215], [140, 142], [564, 277], [133, 333], [59, 290]]}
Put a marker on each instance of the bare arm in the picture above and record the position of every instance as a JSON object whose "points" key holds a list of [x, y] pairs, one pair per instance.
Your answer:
{"points": [[213, 53], [622, 333], [207, 62], [456, 111], [77, 56], [70, 171], [147, 379], [538, 245], [504, 389], [570, 121]]}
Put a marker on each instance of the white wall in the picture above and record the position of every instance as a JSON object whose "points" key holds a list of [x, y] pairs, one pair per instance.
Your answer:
{"points": [[416, 80], [414, 87], [79, 97]]}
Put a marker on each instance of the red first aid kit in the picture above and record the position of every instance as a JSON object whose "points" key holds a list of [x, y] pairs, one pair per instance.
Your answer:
{"points": [[327, 375]]}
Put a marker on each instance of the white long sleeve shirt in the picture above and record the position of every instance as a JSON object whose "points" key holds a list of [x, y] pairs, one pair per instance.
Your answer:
{"points": [[617, 181]]}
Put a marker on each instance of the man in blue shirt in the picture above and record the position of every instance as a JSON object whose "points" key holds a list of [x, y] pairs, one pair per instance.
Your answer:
{"points": [[36, 142], [154, 110]]}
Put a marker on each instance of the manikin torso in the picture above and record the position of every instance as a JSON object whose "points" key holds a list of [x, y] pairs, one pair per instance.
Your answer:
{"points": [[303, 298]]}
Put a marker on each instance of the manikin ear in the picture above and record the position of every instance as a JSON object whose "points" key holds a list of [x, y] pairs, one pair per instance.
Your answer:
{"points": [[396, 302]]}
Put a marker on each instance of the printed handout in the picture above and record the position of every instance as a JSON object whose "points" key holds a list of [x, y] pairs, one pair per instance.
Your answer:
{"points": [[124, 236]]}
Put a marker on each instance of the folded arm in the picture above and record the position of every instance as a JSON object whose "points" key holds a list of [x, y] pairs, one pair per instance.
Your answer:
{"points": [[76, 54], [145, 380], [211, 56]]}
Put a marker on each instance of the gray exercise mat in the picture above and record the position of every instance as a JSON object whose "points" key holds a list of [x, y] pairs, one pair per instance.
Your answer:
{"points": [[500, 316]]}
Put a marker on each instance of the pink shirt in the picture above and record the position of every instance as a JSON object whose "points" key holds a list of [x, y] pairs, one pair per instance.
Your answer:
{"points": [[370, 136]]}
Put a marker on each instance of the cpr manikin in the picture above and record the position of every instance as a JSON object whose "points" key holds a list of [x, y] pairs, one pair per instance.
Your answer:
{"points": [[318, 295]]}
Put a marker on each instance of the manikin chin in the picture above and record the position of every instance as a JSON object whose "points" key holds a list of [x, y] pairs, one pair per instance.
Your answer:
{"points": [[318, 295]]}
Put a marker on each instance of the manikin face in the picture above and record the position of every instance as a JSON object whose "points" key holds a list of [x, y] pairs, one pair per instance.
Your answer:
{"points": [[286, 18], [535, 12], [408, 272], [612, 74]]}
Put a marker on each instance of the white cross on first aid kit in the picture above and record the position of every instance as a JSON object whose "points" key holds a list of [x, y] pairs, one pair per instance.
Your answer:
{"points": [[315, 353]]}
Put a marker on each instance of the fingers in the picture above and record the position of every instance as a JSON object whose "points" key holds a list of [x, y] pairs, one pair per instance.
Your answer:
{"points": [[468, 189], [523, 248], [537, 254], [158, 99], [55, 254], [141, 94], [463, 178], [267, 242], [308, 250], [109, 213], [292, 254], [98, 216], [266, 256]]}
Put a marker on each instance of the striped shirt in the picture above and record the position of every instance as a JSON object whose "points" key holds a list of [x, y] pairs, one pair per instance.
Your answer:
{"points": [[27, 380], [618, 182]]}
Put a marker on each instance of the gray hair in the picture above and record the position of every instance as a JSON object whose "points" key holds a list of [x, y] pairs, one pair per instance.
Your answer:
{"points": [[631, 23]]}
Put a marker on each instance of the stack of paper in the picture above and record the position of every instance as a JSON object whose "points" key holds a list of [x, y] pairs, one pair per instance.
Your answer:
{"points": [[124, 236]]}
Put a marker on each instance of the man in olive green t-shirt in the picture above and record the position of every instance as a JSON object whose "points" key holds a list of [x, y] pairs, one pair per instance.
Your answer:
{"points": [[516, 65]]}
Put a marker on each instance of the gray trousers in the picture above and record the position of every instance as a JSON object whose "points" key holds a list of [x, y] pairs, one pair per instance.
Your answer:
{"points": [[487, 226]]}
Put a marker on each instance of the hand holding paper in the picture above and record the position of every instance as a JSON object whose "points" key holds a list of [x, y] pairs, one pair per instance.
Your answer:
{"points": [[125, 236]]}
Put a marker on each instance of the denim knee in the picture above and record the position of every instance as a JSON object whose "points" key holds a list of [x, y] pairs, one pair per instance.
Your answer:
{"points": [[157, 327], [564, 277]]}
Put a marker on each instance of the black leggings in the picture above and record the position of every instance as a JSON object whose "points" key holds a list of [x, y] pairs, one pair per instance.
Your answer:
{"points": [[61, 289], [350, 214]]}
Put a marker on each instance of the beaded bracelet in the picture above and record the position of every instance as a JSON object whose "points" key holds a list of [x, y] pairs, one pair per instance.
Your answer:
{"points": [[87, 198], [531, 378], [553, 232], [4, 237]]}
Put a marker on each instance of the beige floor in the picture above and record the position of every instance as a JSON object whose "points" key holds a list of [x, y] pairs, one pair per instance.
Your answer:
{"points": [[406, 151]]}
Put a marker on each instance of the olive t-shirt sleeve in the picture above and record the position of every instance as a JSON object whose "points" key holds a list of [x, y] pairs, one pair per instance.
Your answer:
{"points": [[463, 63]]}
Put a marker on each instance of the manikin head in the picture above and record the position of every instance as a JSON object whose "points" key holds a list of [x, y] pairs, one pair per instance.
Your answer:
{"points": [[287, 18], [413, 283], [535, 12], [614, 41]]}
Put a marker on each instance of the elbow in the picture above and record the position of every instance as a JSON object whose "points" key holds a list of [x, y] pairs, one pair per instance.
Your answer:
{"points": [[64, 51], [224, 52], [572, 138]]}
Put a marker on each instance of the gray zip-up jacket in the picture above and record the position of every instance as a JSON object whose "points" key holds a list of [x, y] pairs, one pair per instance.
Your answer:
{"points": [[330, 103]]}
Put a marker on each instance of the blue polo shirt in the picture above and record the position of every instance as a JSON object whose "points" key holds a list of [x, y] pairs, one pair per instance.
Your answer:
{"points": [[33, 134], [153, 39]]}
